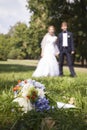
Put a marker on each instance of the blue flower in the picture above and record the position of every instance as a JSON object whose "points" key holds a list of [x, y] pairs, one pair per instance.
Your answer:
{"points": [[39, 85], [42, 104]]}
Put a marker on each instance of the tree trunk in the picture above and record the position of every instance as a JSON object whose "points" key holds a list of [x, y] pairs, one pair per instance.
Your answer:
{"points": [[82, 61]]}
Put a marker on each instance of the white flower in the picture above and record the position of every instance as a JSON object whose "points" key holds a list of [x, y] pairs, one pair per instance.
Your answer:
{"points": [[25, 90], [41, 93], [25, 103]]}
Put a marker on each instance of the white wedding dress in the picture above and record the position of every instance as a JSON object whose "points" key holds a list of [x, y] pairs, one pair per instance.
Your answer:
{"points": [[48, 65]]}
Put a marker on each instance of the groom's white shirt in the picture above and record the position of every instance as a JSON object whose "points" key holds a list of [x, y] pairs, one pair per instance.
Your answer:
{"points": [[65, 40]]}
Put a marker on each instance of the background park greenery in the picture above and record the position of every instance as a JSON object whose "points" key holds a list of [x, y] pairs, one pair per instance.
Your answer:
{"points": [[23, 42]]}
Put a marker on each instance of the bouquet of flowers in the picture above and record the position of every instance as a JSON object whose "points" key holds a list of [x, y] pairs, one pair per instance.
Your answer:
{"points": [[30, 94]]}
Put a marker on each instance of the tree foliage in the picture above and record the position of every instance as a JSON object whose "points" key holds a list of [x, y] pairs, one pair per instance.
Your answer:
{"points": [[4, 46], [18, 41], [49, 12], [24, 42]]}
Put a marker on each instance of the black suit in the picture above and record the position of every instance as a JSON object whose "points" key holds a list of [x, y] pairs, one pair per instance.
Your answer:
{"points": [[66, 51]]}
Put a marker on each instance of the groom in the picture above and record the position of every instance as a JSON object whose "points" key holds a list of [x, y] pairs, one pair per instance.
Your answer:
{"points": [[66, 46]]}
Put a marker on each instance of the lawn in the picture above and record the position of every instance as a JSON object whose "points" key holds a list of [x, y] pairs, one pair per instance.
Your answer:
{"points": [[59, 89]]}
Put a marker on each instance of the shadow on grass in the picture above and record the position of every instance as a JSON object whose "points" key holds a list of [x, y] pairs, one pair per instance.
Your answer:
{"points": [[9, 81], [15, 68], [8, 84]]}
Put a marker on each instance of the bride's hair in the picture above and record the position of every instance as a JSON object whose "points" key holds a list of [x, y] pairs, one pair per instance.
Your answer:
{"points": [[51, 26]]}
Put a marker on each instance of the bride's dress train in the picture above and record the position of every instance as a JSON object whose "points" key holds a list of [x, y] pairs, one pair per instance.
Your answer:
{"points": [[48, 65]]}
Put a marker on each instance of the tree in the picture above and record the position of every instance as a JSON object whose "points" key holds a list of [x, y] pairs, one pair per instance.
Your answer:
{"points": [[38, 26], [80, 18], [4, 46], [46, 12], [18, 41]]}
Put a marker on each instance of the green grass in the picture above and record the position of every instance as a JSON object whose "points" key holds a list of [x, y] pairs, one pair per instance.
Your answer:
{"points": [[59, 89], [11, 71]]}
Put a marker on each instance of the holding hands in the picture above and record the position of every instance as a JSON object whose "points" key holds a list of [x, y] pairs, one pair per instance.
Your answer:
{"points": [[72, 52]]}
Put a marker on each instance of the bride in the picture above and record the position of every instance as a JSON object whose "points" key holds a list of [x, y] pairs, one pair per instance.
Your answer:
{"points": [[48, 65]]}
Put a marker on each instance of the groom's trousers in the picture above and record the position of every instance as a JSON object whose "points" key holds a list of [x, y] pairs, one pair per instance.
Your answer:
{"points": [[68, 55]]}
